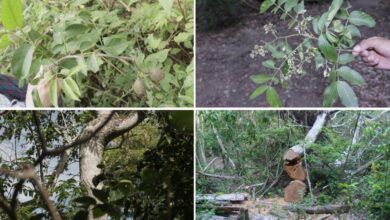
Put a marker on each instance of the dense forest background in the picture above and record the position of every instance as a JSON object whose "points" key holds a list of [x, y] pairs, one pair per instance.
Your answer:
{"points": [[242, 152], [96, 165]]}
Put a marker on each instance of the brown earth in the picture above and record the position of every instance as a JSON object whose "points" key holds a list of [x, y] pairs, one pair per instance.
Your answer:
{"points": [[224, 66]]}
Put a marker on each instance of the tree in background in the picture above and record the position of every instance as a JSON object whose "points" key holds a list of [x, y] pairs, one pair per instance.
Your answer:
{"points": [[66, 164]]}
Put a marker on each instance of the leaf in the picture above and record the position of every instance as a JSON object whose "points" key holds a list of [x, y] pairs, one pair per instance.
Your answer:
{"points": [[300, 8], [273, 98], [100, 194], [360, 18], [36, 99], [346, 58], [81, 215], [115, 46], [259, 91], [327, 49], [269, 64], [354, 31], [94, 62], [73, 86], [347, 95], [21, 61], [290, 4], [260, 78], [351, 76], [4, 41], [68, 90], [167, 5], [266, 5], [322, 23], [330, 95], [85, 200], [12, 14], [333, 9], [53, 92], [160, 56]]}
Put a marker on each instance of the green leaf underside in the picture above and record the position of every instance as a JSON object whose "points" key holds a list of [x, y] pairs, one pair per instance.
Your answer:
{"points": [[360, 18], [347, 95], [352, 76]]}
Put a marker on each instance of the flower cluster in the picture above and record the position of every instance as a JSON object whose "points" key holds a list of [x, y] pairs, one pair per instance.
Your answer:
{"points": [[269, 28], [258, 51]]}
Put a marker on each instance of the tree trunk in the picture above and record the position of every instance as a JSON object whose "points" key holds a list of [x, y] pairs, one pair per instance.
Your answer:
{"points": [[91, 153], [295, 152], [293, 162], [295, 191]]}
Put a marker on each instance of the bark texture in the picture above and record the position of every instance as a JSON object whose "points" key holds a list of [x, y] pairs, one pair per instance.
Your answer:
{"points": [[91, 152]]}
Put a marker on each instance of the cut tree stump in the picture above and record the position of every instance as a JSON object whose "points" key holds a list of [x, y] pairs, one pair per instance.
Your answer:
{"points": [[326, 209], [296, 172], [295, 191]]}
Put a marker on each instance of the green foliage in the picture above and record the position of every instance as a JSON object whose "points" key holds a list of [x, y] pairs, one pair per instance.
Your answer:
{"points": [[147, 173], [98, 53], [334, 33], [256, 141]]}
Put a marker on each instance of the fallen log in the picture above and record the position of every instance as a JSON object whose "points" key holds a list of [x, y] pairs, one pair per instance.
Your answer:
{"points": [[295, 191], [294, 153], [236, 197], [326, 209]]}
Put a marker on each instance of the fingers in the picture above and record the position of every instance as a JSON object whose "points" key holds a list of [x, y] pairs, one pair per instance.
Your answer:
{"points": [[372, 43], [370, 58]]}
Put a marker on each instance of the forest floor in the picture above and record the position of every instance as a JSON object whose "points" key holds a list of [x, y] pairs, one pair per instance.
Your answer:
{"points": [[271, 209], [224, 66]]}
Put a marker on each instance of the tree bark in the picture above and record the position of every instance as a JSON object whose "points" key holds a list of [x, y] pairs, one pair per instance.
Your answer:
{"points": [[294, 192], [91, 152], [297, 151], [223, 149]]}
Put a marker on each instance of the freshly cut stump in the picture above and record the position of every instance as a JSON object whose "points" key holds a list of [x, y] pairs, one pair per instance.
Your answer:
{"points": [[296, 171], [295, 191]]}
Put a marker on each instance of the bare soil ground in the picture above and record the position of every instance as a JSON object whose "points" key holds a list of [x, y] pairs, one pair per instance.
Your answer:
{"points": [[224, 66]]}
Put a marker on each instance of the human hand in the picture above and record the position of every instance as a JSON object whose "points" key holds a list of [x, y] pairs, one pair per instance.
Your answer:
{"points": [[374, 52]]}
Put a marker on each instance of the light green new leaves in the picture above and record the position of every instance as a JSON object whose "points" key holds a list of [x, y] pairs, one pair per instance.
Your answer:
{"points": [[266, 5], [346, 94], [12, 14], [327, 49], [167, 5], [360, 18], [21, 61]]}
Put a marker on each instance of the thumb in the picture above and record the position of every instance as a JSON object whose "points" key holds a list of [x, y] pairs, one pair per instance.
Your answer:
{"points": [[370, 43]]}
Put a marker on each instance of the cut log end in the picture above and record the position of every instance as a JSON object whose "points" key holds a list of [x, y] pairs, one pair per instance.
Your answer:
{"points": [[296, 171], [290, 156], [295, 191]]}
